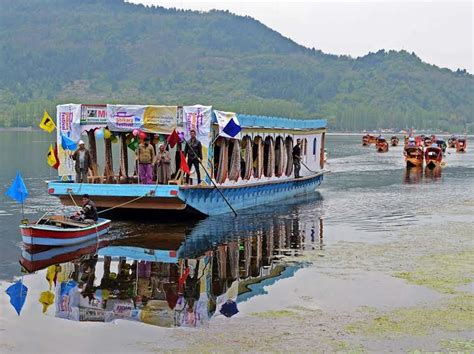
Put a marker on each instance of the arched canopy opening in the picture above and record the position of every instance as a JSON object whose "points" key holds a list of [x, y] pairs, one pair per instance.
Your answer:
{"points": [[246, 168], [257, 156], [280, 157]]}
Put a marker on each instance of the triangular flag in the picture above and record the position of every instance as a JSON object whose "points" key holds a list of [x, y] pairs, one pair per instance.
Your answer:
{"points": [[183, 164], [67, 143], [173, 138], [133, 145], [51, 157], [46, 299], [17, 190], [56, 156], [17, 293], [47, 123], [232, 128]]}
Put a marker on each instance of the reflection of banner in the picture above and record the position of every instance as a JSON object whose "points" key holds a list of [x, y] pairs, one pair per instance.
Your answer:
{"points": [[198, 118], [68, 118], [125, 118], [223, 118], [93, 116], [160, 119]]}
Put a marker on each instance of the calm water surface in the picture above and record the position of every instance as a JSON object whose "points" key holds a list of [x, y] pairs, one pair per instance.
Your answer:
{"points": [[367, 197]]}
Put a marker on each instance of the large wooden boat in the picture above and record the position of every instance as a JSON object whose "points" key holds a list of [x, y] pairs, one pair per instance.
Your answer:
{"points": [[368, 139], [252, 168], [394, 140], [413, 155], [461, 145], [433, 156], [381, 145], [61, 231]]}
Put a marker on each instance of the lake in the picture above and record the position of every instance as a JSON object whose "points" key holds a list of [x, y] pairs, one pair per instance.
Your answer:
{"points": [[267, 259]]}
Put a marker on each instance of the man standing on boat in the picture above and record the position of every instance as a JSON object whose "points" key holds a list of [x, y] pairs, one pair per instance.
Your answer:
{"points": [[88, 213], [83, 161], [297, 158], [193, 153], [145, 157]]}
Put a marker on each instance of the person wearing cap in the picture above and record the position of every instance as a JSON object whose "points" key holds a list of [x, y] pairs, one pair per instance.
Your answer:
{"points": [[83, 162], [88, 213], [145, 157]]}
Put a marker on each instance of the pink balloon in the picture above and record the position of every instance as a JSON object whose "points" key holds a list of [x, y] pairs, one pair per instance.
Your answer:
{"points": [[135, 132]]}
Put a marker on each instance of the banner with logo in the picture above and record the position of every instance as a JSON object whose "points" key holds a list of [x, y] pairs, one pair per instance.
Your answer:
{"points": [[68, 124], [198, 118], [93, 116], [125, 118], [160, 119]]}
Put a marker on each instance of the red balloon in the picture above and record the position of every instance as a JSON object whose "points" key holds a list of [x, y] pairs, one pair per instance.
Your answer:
{"points": [[142, 135]]}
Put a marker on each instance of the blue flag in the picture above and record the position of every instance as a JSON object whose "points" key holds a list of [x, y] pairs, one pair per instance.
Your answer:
{"points": [[17, 190], [17, 293], [67, 143], [232, 128]]}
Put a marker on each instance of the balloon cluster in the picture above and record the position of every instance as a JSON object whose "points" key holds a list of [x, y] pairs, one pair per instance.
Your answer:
{"points": [[106, 134]]}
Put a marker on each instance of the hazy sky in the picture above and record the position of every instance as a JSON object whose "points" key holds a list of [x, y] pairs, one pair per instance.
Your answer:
{"points": [[439, 32]]}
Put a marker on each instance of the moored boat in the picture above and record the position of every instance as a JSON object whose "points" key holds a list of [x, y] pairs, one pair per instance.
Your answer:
{"points": [[413, 155], [381, 145], [461, 145], [61, 231], [394, 140], [433, 156], [246, 160]]}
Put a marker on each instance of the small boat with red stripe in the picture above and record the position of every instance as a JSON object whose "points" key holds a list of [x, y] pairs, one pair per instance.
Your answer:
{"points": [[58, 230]]}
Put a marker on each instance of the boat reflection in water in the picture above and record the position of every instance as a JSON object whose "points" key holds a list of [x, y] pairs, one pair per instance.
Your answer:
{"points": [[413, 174], [176, 276], [433, 173]]}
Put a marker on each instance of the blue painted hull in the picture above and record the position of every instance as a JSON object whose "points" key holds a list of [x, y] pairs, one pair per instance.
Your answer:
{"points": [[203, 199]]}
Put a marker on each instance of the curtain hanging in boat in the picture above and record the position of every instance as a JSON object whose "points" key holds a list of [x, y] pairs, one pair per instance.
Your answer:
{"points": [[247, 145], [223, 160], [270, 167], [258, 157], [234, 172], [289, 155], [280, 157]]}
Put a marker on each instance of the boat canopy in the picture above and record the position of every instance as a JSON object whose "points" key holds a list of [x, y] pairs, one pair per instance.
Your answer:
{"points": [[251, 121]]}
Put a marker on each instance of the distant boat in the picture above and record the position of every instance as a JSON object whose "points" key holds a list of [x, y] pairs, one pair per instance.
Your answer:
{"points": [[461, 145], [413, 155], [433, 156], [381, 144], [58, 230], [368, 139], [452, 141]]}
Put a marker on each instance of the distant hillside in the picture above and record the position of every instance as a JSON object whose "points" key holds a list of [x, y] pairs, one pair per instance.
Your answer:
{"points": [[54, 51]]}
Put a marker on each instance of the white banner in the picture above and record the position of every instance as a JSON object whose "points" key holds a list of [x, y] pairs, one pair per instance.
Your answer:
{"points": [[223, 118], [198, 118], [93, 116], [121, 118], [68, 123]]}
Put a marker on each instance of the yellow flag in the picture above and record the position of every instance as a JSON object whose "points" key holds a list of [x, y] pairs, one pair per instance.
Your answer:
{"points": [[47, 123], [51, 158]]}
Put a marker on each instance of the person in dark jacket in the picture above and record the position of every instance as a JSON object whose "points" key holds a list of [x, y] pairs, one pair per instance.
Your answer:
{"points": [[83, 162], [297, 158], [193, 153], [88, 213]]}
